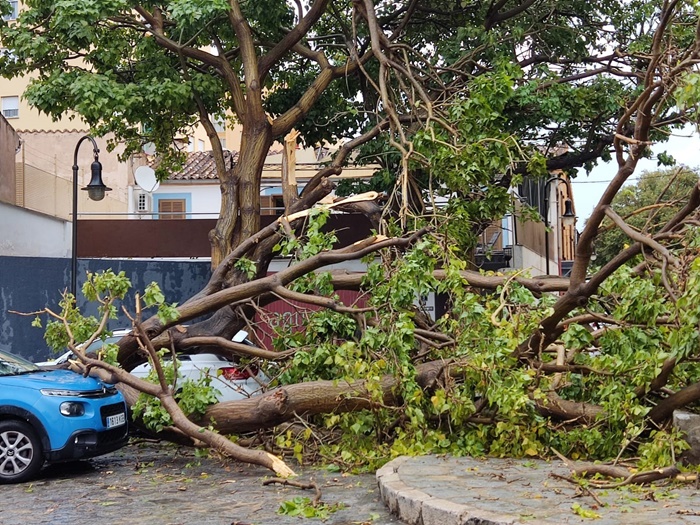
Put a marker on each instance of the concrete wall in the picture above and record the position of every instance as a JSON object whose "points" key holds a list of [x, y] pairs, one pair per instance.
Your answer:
{"points": [[25, 233], [28, 284]]}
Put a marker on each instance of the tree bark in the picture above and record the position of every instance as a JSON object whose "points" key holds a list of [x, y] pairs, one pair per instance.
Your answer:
{"points": [[239, 217], [310, 398], [562, 409], [663, 411]]}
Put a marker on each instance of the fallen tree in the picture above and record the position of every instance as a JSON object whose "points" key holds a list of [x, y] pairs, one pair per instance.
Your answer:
{"points": [[594, 371]]}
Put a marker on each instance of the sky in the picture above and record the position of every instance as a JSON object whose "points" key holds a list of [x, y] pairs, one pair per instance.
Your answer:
{"points": [[684, 146]]}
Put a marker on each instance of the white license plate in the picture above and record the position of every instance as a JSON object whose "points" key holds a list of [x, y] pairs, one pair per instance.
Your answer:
{"points": [[116, 420]]}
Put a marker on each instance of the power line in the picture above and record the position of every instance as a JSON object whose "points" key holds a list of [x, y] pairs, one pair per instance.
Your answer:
{"points": [[574, 181], [39, 153], [631, 179]]}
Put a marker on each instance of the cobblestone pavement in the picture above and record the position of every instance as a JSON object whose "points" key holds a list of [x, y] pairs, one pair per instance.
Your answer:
{"points": [[160, 485], [434, 490]]}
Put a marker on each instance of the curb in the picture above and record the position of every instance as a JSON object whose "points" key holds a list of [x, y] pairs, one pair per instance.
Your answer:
{"points": [[415, 507]]}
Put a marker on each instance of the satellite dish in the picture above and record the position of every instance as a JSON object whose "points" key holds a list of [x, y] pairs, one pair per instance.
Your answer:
{"points": [[146, 179], [149, 148]]}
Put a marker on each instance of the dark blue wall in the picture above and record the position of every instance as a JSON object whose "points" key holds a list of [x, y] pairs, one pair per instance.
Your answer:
{"points": [[28, 284]]}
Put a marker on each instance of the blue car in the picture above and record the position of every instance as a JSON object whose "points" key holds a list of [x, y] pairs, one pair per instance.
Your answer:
{"points": [[52, 416]]}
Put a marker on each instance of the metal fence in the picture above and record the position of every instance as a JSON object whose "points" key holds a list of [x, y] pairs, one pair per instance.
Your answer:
{"points": [[29, 284]]}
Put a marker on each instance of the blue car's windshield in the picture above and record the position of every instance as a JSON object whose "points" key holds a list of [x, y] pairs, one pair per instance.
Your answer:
{"points": [[12, 365]]}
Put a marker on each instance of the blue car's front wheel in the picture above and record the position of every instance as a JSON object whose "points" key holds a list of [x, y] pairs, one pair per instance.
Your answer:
{"points": [[21, 455]]}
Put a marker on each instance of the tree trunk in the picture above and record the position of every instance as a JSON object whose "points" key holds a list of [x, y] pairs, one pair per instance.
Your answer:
{"points": [[240, 193], [304, 399]]}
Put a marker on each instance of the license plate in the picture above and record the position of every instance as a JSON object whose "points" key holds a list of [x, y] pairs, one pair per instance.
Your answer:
{"points": [[116, 420]]}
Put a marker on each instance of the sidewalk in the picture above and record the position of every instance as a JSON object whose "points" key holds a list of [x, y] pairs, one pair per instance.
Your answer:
{"points": [[434, 490]]}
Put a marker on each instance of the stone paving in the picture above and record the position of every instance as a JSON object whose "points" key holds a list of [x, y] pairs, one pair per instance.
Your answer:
{"points": [[435, 490], [160, 485]]}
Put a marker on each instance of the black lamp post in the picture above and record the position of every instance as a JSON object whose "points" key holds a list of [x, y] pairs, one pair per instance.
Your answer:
{"points": [[96, 191], [568, 218]]}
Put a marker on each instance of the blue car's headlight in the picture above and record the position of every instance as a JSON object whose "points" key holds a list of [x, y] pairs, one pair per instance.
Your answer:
{"points": [[103, 391], [61, 392], [72, 409]]}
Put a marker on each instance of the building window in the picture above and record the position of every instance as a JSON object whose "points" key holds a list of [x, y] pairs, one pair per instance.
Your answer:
{"points": [[171, 209], [530, 192], [271, 205], [219, 124], [14, 4], [10, 107], [200, 145]]}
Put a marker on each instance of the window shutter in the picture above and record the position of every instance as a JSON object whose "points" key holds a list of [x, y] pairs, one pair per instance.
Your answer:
{"points": [[171, 209]]}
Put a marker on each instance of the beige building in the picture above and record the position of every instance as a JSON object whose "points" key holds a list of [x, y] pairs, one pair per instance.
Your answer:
{"points": [[45, 155], [22, 116], [9, 143]]}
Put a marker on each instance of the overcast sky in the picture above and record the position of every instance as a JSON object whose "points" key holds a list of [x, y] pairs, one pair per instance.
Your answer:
{"points": [[587, 189]]}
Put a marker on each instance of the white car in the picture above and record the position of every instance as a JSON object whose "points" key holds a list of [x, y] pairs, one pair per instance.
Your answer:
{"points": [[231, 380]]}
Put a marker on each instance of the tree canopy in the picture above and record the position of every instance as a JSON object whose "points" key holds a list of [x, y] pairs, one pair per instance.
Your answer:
{"points": [[456, 98], [646, 206], [451, 99]]}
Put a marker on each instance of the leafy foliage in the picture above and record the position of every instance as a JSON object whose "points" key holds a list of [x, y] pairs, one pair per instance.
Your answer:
{"points": [[69, 327], [646, 206], [193, 397], [303, 506], [492, 387], [153, 296]]}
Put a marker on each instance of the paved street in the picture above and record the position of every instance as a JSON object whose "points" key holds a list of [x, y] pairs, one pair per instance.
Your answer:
{"points": [[162, 485], [150, 484]]}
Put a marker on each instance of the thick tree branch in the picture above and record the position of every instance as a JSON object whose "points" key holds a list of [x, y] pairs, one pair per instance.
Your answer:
{"points": [[314, 397], [639, 237], [497, 17], [663, 411], [562, 409], [293, 37], [235, 349], [218, 299]]}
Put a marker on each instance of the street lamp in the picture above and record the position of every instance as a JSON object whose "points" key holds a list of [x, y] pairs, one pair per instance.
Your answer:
{"points": [[96, 191], [568, 218]]}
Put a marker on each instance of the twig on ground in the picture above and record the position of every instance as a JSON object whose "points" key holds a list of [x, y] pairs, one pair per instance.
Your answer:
{"points": [[585, 490], [298, 484]]}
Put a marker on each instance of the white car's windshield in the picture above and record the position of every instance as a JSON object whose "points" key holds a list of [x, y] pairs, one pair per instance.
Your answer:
{"points": [[98, 343]]}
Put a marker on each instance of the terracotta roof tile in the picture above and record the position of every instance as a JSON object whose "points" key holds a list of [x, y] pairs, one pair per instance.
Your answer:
{"points": [[53, 131], [200, 165]]}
